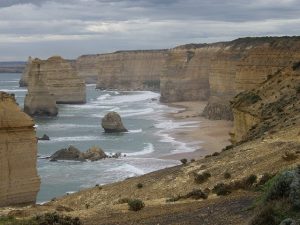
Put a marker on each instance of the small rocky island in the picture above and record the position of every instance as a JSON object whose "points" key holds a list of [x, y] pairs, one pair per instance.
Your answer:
{"points": [[112, 123]]}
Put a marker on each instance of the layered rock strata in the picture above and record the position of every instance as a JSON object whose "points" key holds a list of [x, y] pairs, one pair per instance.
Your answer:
{"points": [[38, 100], [186, 74], [61, 79], [131, 70], [18, 155]]}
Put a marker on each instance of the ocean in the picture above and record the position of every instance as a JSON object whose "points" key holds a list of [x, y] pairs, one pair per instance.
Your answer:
{"points": [[146, 142]]}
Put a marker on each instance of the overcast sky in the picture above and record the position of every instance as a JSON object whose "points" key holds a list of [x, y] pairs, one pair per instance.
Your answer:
{"points": [[70, 28]]}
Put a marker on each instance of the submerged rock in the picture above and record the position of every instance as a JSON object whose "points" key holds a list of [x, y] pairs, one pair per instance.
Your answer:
{"points": [[112, 123], [72, 153], [44, 138]]}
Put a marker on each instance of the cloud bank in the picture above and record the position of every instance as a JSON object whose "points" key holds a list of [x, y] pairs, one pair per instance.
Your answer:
{"points": [[73, 27]]}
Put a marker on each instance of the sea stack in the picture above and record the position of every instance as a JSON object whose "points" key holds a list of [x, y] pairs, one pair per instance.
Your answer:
{"points": [[24, 79], [63, 82], [112, 123], [38, 101], [20, 182]]}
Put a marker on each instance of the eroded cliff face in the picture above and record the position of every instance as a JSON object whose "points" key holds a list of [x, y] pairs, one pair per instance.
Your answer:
{"points": [[272, 106], [87, 68], [131, 70], [38, 100], [186, 74], [18, 154], [61, 80], [244, 64]]}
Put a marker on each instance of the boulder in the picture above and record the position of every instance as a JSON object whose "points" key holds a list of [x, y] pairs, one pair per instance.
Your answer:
{"points": [[94, 154], [70, 153], [44, 138], [112, 123]]}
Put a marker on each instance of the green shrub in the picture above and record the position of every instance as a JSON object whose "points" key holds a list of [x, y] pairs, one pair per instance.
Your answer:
{"points": [[265, 216], [139, 185], [184, 161], [136, 204], [215, 154], [196, 194], [221, 189], [250, 180], [201, 178], [227, 175]]}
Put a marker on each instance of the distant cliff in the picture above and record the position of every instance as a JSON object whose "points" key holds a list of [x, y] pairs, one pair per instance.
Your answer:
{"points": [[18, 154], [131, 70]]}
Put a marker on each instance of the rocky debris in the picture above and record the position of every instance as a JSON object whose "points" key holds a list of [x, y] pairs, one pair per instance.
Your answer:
{"points": [[38, 100], [72, 153], [20, 182], [112, 123], [44, 138]]}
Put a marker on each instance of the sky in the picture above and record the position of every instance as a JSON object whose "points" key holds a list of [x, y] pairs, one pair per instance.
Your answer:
{"points": [[70, 28]]}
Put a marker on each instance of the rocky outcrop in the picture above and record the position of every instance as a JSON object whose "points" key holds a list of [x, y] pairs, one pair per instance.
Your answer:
{"points": [[61, 80], [273, 105], [112, 123], [38, 100], [131, 70], [74, 154], [18, 155]]}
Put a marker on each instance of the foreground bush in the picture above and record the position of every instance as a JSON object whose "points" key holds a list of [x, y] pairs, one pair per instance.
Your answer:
{"points": [[46, 219], [136, 204], [201, 178]]}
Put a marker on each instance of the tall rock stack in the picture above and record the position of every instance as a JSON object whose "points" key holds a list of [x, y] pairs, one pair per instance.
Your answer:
{"points": [[19, 181], [24, 79], [38, 100], [63, 82]]}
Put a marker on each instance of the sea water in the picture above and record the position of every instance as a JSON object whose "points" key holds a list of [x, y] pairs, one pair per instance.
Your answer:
{"points": [[147, 140]]}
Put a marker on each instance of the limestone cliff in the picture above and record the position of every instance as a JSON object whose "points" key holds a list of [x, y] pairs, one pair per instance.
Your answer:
{"points": [[61, 80], [18, 154], [131, 70], [38, 100], [186, 75], [244, 64], [272, 106], [87, 67]]}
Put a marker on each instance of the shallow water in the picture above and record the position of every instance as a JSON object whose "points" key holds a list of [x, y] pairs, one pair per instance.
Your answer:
{"points": [[79, 125]]}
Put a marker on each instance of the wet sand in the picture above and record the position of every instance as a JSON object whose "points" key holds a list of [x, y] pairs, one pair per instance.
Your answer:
{"points": [[211, 135]]}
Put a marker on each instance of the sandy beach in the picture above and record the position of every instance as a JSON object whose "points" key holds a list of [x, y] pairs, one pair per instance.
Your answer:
{"points": [[211, 135]]}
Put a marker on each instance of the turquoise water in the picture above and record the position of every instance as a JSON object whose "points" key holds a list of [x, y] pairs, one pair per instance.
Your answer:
{"points": [[80, 125]]}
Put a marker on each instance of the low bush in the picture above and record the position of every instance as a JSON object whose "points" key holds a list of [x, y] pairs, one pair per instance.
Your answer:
{"points": [[123, 200], [196, 194], [201, 178], [139, 185], [227, 175], [184, 161], [265, 216], [215, 154], [221, 189], [136, 204]]}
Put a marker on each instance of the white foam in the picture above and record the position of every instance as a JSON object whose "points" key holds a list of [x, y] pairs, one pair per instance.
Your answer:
{"points": [[75, 138], [136, 131], [62, 126], [129, 113], [103, 97], [171, 125], [134, 96], [147, 150], [13, 90], [128, 168], [91, 85]]}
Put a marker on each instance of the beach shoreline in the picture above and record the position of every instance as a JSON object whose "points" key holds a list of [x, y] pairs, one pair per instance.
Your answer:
{"points": [[207, 137]]}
